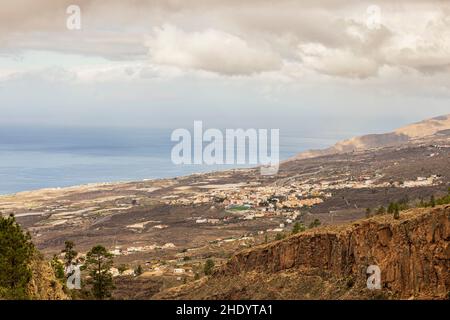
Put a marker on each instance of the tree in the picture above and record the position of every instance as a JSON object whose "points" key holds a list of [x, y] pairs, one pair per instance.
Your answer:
{"points": [[138, 270], [368, 212], [314, 223], [58, 268], [396, 213], [69, 253], [422, 204], [209, 265], [16, 252], [279, 236], [432, 201], [122, 268], [391, 207], [298, 227], [98, 263], [381, 210]]}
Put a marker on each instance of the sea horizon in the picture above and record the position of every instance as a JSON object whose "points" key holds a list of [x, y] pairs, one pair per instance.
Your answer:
{"points": [[45, 157]]}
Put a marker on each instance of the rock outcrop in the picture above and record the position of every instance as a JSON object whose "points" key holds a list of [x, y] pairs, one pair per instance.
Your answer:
{"points": [[413, 254]]}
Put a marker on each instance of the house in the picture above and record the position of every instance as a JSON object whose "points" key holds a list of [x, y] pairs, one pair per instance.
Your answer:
{"points": [[178, 270]]}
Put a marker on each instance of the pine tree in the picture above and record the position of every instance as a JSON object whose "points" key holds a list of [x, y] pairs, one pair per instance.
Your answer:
{"points": [[69, 253], [58, 268], [396, 213], [16, 252], [381, 210], [298, 227], [138, 270], [314, 223], [432, 201], [122, 268], [209, 265], [279, 236], [391, 207], [98, 263]]}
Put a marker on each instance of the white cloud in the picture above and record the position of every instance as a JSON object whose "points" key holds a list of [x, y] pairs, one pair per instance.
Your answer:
{"points": [[209, 50], [337, 62], [231, 37]]}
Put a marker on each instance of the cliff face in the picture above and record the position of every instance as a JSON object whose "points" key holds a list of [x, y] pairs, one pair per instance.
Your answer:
{"points": [[413, 254]]}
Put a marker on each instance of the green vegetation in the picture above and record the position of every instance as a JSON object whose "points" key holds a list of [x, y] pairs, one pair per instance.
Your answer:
{"points": [[394, 207], [396, 213], [298, 227], [58, 269], [435, 202], [69, 253], [314, 223], [122, 268], [280, 236], [98, 263], [432, 202], [16, 252], [138, 270], [209, 266]]}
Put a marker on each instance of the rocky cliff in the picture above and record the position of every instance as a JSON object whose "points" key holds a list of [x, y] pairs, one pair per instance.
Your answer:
{"points": [[413, 254]]}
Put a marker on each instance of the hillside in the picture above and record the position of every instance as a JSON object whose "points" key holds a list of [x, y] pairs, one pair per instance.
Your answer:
{"points": [[44, 285], [400, 136], [413, 254], [172, 226]]}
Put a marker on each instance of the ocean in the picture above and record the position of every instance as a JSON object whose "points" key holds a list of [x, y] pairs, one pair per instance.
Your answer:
{"points": [[46, 157]]}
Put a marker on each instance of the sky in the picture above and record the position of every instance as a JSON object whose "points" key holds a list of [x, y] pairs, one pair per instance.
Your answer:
{"points": [[365, 66]]}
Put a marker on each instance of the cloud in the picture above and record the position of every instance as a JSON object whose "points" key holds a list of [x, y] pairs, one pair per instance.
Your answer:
{"points": [[209, 50], [427, 50], [231, 37], [336, 62]]}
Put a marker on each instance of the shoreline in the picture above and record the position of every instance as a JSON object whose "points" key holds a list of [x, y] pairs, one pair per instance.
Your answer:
{"points": [[115, 183]]}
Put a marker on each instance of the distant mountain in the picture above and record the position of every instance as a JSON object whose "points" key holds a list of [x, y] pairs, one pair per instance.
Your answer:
{"points": [[402, 135]]}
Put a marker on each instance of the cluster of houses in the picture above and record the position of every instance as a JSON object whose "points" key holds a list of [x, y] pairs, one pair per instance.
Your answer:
{"points": [[118, 251]]}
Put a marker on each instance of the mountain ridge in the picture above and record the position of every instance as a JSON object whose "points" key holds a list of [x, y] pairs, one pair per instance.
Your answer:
{"points": [[401, 135]]}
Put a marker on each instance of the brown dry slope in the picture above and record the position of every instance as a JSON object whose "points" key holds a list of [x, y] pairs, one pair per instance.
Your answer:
{"points": [[398, 137], [413, 254], [44, 285]]}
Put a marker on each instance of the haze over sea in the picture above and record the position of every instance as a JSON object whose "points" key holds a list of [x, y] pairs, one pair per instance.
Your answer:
{"points": [[44, 157]]}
